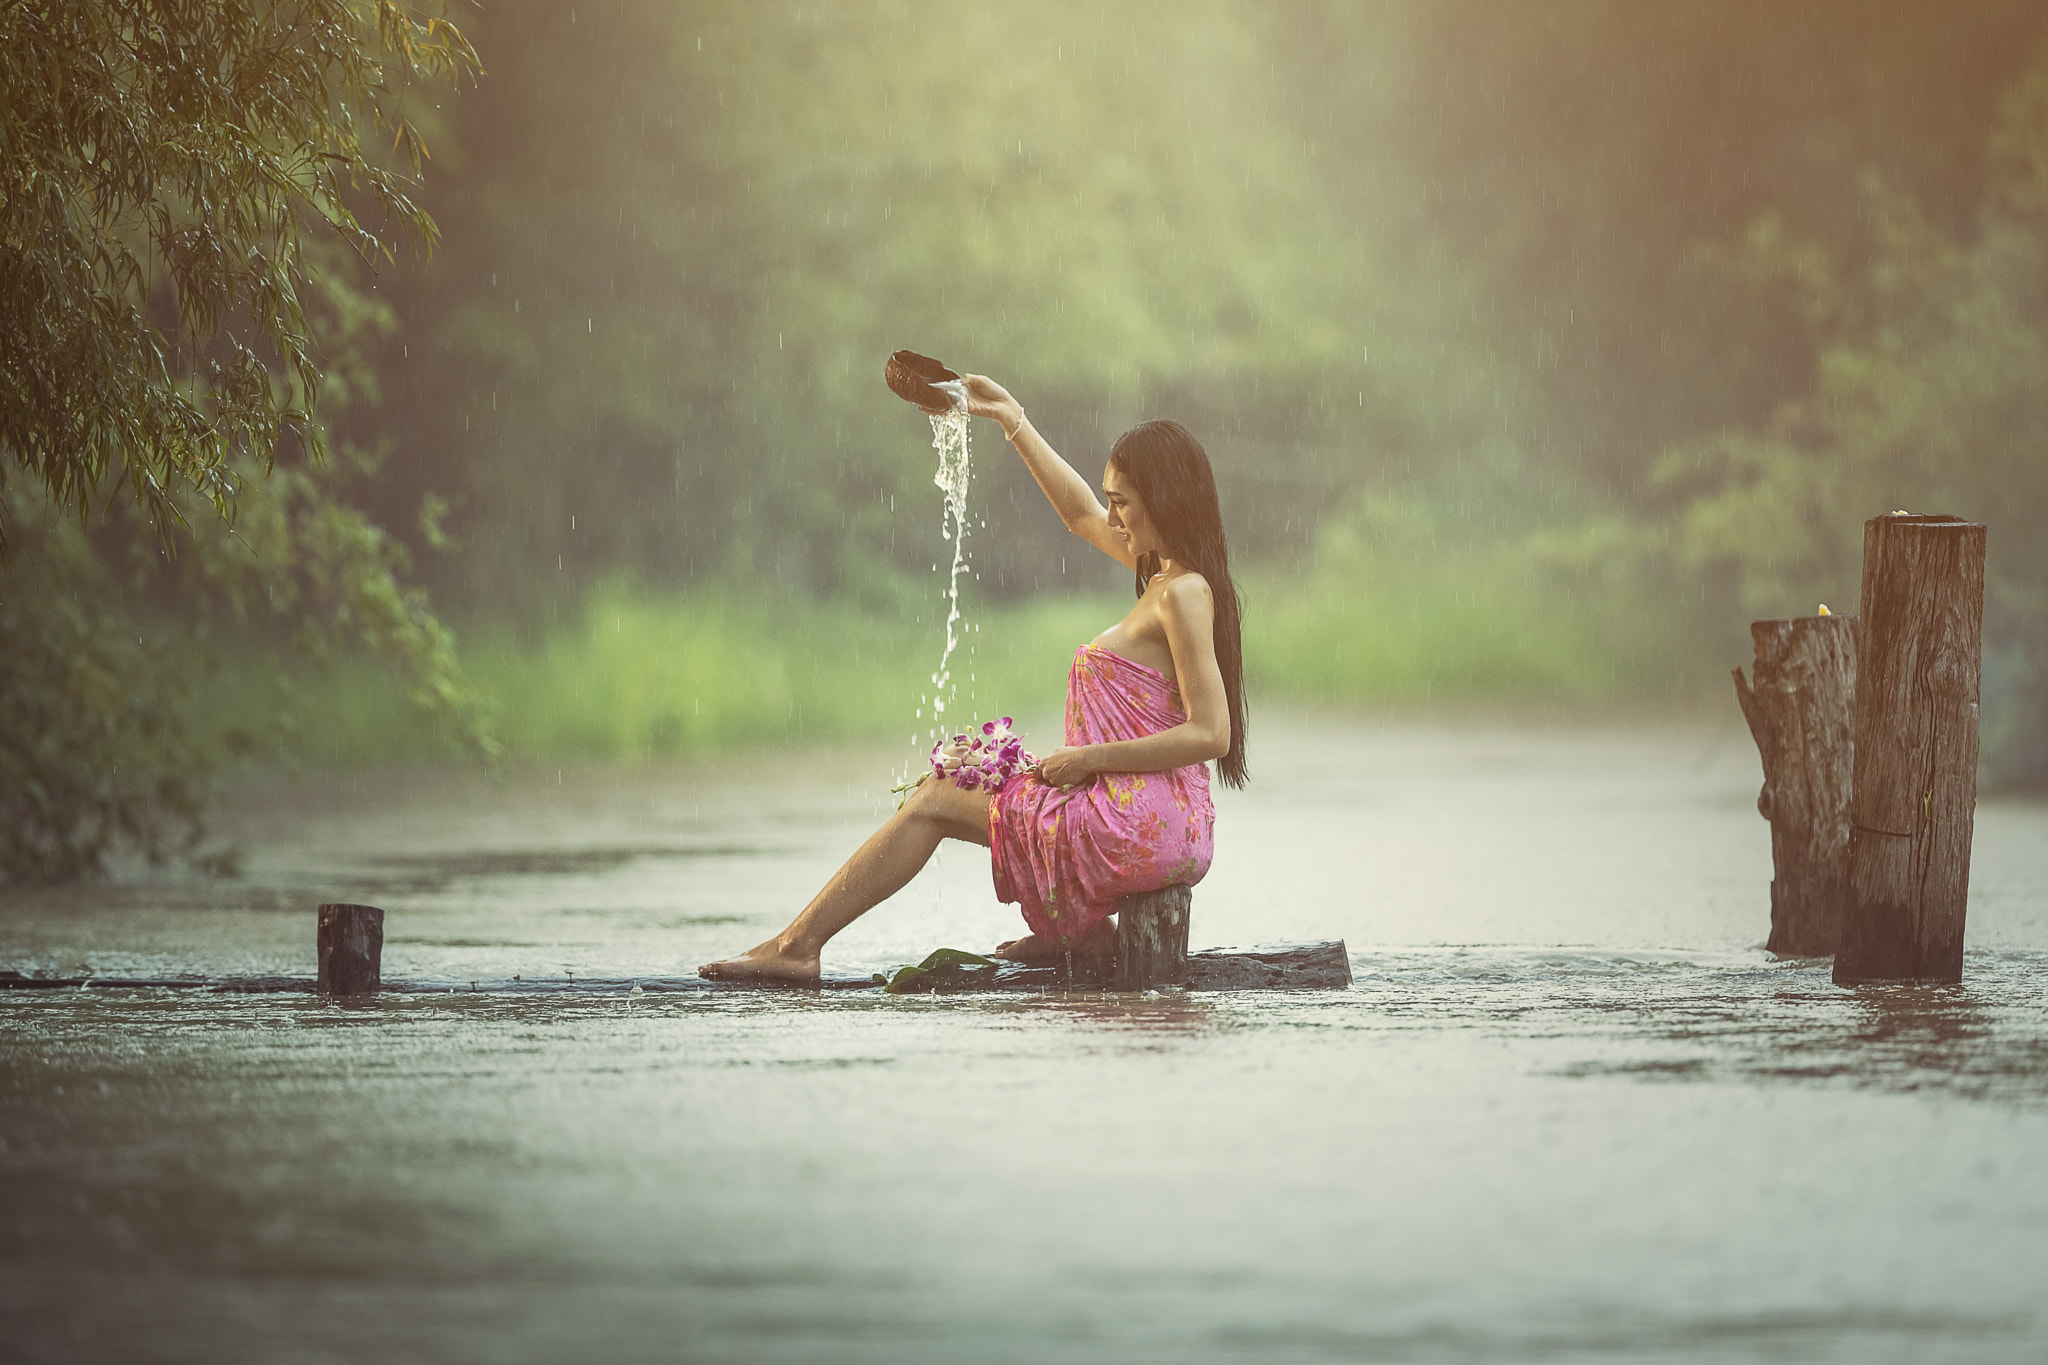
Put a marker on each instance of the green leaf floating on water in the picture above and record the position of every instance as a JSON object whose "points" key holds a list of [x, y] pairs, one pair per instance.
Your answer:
{"points": [[947, 969]]}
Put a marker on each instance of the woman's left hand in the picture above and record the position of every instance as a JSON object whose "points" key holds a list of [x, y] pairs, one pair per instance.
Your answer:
{"points": [[1066, 767]]}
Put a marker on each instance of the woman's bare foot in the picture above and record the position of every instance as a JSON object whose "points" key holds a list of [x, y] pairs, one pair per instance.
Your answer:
{"points": [[1033, 951], [769, 961]]}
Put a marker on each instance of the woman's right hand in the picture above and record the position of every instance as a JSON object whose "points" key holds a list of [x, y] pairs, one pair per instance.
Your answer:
{"points": [[986, 398]]}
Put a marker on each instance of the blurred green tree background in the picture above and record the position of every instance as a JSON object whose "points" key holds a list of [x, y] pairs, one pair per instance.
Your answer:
{"points": [[1538, 347]]}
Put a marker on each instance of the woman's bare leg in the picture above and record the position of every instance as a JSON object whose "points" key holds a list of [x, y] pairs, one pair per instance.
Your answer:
{"points": [[892, 855]]}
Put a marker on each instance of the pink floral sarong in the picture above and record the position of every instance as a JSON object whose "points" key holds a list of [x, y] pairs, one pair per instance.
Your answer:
{"points": [[1064, 857]]}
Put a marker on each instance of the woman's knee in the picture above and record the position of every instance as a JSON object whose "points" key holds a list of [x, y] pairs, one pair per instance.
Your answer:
{"points": [[926, 802], [950, 811]]}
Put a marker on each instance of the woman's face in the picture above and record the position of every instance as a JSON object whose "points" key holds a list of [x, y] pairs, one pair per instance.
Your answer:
{"points": [[1127, 515]]}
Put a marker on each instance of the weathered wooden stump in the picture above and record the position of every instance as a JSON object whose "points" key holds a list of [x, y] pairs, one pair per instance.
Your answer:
{"points": [[351, 949], [1916, 750], [1152, 938], [1800, 711]]}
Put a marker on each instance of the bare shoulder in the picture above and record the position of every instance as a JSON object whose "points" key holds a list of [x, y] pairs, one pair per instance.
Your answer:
{"points": [[1188, 600], [1188, 590]]}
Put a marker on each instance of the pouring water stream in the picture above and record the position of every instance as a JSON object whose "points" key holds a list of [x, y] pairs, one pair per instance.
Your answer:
{"points": [[950, 439]]}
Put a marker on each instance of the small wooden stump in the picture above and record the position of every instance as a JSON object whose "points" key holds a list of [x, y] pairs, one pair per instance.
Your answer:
{"points": [[1800, 712], [1152, 938], [1916, 750], [351, 949]]}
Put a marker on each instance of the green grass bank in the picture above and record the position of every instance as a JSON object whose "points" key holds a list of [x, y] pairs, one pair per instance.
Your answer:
{"points": [[647, 676]]}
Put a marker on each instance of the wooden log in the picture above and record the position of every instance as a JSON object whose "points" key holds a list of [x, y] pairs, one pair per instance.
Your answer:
{"points": [[351, 939], [1285, 967], [1916, 750], [1800, 712], [1273, 966], [1152, 939]]}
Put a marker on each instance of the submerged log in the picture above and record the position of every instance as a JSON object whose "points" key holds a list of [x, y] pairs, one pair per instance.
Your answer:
{"points": [[1268, 967], [351, 939], [1915, 799], [1287, 967], [246, 985], [1282, 966], [1800, 711], [1152, 938]]}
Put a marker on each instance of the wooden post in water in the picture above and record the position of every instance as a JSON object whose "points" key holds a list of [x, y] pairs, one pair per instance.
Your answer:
{"points": [[351, 949], [1916, 750], [1152, 938], [1800, 712]]}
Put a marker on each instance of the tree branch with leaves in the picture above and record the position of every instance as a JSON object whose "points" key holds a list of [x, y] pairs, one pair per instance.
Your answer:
{"points": [[188, 192]]}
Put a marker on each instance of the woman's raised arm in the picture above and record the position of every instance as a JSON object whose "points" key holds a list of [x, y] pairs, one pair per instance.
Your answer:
{"points": [[1069, 493]]}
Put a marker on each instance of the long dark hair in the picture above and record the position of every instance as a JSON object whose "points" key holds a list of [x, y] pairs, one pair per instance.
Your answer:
{"points": [[1169, 471]]}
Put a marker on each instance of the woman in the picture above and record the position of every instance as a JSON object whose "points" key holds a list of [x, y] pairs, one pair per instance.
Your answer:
{"points": [[1124, 805]]}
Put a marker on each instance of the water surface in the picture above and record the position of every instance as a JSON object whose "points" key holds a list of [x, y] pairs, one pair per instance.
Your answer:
{"points": [[1570, 1109]]}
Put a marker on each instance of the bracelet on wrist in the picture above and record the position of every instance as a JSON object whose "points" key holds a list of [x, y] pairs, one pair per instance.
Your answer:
{"points": [[1012, 435]]}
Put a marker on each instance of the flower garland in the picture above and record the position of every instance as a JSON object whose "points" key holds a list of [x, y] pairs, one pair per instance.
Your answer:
{"points": [[980, 762]]}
